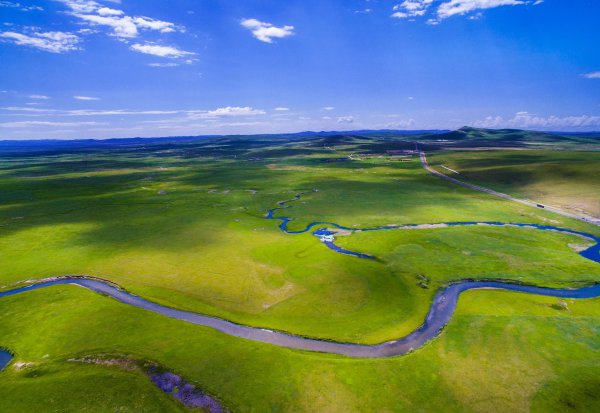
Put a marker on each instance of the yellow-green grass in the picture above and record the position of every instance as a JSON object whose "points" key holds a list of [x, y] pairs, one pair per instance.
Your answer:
{"points": [[501, 352], [565, 179]]}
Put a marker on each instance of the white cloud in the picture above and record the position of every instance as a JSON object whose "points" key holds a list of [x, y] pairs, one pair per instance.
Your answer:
{"points": [[185, 115], [81, 6], [21, 109], [160, 51], [281, 109], [85, 98], [40, 97], [54, 42], [235, 111], [21, 7], [527, 120], [592, 75], [26, 124], [265, 32], [123, 26], [107, 11], [411, 8], [169, 64], [329, 108], [86, 112], [117, 112], [459, 7], [153, 24], [345, 119]]}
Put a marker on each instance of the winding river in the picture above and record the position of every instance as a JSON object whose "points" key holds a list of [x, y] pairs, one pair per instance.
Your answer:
{"points": [[322, 230], [440, 312]]}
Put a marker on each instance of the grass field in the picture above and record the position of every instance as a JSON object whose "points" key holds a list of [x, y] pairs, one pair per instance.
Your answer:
{"points": [[501, 352], [183, 224], [565, 179]]}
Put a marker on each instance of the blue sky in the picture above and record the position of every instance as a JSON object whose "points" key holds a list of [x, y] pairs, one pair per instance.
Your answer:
{"points": [[121, 68]]}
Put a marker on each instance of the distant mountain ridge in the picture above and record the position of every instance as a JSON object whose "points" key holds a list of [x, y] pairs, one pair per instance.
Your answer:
{"points": [[464, 137]]}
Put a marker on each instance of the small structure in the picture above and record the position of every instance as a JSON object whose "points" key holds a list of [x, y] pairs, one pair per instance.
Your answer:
{"points": [[326, 238], [324, 235]]}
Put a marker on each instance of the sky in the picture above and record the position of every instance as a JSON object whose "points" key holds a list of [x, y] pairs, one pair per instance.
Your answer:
{"points": [[72, 69]]}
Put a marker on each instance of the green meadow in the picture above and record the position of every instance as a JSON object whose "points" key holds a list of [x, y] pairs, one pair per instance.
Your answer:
{"points": [[183, 224]]}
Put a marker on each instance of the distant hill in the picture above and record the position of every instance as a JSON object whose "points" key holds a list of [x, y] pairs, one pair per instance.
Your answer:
{"points": [[381, 140], [476, 137]]}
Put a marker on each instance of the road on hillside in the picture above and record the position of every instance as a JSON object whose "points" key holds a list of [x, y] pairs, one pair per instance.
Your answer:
{"points": [[584, 218]]}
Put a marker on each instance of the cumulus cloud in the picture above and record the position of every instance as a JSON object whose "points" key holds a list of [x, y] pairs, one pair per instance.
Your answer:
{"points": [[154, 24], [81, 6], [122, 26], [411, 8], [527, 120], [107, 11], [160, 51], [281, 109], [39, 97], [53, 42], [329, 108], [85, 98], [592, 75], [266, 32]]}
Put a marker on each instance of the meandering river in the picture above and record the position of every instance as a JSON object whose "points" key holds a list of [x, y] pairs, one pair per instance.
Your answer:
{"points": [[440, 312]]}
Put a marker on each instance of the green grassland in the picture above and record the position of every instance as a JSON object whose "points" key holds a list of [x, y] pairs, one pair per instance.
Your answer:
{"points": [[183, 224], [501, 352], [565, 179]]}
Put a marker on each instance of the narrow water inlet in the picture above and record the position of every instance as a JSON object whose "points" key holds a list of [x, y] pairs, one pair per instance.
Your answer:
{"points": [[5, 358]]}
